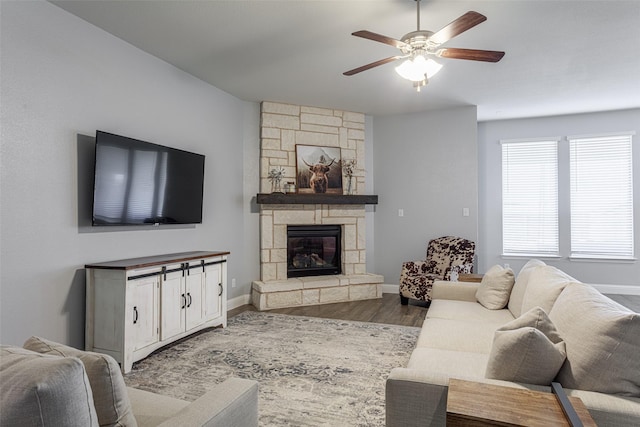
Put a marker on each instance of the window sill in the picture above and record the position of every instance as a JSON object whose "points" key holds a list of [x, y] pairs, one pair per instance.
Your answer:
{"points": [[584, 258], [529, 256]]}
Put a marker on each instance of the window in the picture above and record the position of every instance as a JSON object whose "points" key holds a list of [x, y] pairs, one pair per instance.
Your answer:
{"points": [[530, 197], [601, 196]]}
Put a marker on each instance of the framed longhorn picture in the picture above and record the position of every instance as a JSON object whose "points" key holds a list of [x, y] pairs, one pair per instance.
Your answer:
{"points": [[318, 169]]}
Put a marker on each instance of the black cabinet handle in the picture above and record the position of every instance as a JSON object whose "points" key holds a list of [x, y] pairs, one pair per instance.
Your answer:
{"points": [[135, 314], [184, 301], [221, 289], [190, 300]]}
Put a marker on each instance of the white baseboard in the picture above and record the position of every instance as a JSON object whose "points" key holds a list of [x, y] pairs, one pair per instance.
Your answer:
{"points": [[390, 289], [238, 301], [617, 289]]}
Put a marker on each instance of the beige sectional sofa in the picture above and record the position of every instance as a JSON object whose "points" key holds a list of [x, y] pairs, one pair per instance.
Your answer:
{"points": [[552, 327], [49, 384]]}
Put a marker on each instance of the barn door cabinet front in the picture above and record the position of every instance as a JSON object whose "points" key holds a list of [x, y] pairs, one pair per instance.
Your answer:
{"points": [[138, 305]]}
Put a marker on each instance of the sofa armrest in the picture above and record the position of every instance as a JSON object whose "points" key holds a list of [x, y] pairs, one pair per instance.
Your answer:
{"points": [[418, 397], [460, 291], [233, 403], [411, 267]]}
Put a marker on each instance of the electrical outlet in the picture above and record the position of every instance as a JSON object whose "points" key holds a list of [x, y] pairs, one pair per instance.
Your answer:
{"points": [[400, 212], [465, 211], [233, 283]]}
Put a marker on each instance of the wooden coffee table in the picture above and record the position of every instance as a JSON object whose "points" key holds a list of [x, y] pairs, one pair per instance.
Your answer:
{"points": [[477, 404]]}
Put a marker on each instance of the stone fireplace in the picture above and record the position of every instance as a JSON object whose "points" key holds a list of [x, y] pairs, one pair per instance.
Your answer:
{"points": [[283, 126]]}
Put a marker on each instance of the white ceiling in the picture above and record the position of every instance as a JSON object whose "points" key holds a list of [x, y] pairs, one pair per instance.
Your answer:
{"points": [[562, 56]]}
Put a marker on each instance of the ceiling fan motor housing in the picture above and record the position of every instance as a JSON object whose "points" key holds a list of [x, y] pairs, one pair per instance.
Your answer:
{"points": [[418, 41]]}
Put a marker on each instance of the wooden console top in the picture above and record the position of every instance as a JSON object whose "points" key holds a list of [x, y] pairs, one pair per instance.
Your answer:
{"points": [[150, 261], [478, 404]]}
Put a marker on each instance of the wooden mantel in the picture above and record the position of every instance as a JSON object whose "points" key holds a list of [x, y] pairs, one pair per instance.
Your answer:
{"points": [[310, 199]]}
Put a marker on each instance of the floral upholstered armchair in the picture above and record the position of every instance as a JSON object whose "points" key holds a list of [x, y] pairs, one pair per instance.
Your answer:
{"points": [[446, 258]]}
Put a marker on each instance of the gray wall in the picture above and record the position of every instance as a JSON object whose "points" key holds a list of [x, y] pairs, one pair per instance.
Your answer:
{"points": [[426, 164], [489, 135], [62, 79]]}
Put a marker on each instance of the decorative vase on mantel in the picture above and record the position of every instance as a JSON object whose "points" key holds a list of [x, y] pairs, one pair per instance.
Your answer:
{"points": [[275, 176], [349, 189], [349, 168], [276, 186]]}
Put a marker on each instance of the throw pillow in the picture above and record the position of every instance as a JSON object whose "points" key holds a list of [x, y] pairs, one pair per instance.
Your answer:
{"points": [[40, 390], [520, 286], [527, 350], [109, 391], [603, 342], [495, 288]]}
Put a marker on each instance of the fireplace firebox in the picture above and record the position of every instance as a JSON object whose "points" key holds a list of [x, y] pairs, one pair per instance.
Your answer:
{"points": [[313, 250]]}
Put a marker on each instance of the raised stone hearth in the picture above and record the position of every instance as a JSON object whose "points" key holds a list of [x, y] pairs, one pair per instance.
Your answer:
{"points": [[282, 128], [315, 290]]}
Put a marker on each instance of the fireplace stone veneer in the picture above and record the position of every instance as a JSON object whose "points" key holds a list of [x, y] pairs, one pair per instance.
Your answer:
{"points": [[282, 127]]}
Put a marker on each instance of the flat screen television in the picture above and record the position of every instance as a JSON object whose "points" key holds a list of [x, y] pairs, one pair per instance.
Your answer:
{"points": [[140, 183]]}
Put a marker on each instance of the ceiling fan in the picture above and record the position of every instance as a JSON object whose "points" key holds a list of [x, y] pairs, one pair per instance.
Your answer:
{"points": [[418, 46]]}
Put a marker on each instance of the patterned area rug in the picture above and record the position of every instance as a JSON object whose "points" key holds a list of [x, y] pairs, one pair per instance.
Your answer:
{"points": [[312, 371]]}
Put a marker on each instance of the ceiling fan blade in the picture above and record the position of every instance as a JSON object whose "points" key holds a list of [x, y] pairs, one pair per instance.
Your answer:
{"points": [[471, 54], [458, 26], [380, 38], [372, 65]]}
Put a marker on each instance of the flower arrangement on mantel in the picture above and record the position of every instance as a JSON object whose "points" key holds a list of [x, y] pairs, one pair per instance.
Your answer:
{"points": [[349, 170], [275, 176]]}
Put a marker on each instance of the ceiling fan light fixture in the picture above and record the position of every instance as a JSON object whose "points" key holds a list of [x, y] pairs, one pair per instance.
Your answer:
{"points": [[416, 68]]}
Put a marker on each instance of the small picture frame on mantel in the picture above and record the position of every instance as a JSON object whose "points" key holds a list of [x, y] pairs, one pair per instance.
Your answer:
{"points": [[318, 170]]}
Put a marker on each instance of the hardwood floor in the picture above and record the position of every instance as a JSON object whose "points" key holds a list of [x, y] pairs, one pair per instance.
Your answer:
{"points": [[384, 310], [387, 310]]}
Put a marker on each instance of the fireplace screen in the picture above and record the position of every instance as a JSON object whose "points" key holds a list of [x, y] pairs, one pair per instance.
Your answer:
{"points": [[313, 250]]}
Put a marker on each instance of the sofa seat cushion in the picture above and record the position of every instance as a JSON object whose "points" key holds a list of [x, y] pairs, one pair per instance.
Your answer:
{"points": [[520, 286], [450, 363], [528, 350], [495, 288], [467, 311], [460, 335], [544, 287], [109, 391], [603, 342], [152, 409], [41, 390]]}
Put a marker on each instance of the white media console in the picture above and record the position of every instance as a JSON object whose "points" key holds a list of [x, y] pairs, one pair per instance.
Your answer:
{"points": [[137, 305]]}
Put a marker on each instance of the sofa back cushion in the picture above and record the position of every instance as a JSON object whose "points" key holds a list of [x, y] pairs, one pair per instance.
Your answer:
{"points": [[495, 288], [602, 339], [39, 390], [544, 287], [520, 285], [109, 391]]}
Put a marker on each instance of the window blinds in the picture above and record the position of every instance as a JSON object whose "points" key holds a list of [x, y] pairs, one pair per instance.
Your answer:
{"points": [[530, 197], [601, 196]]}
